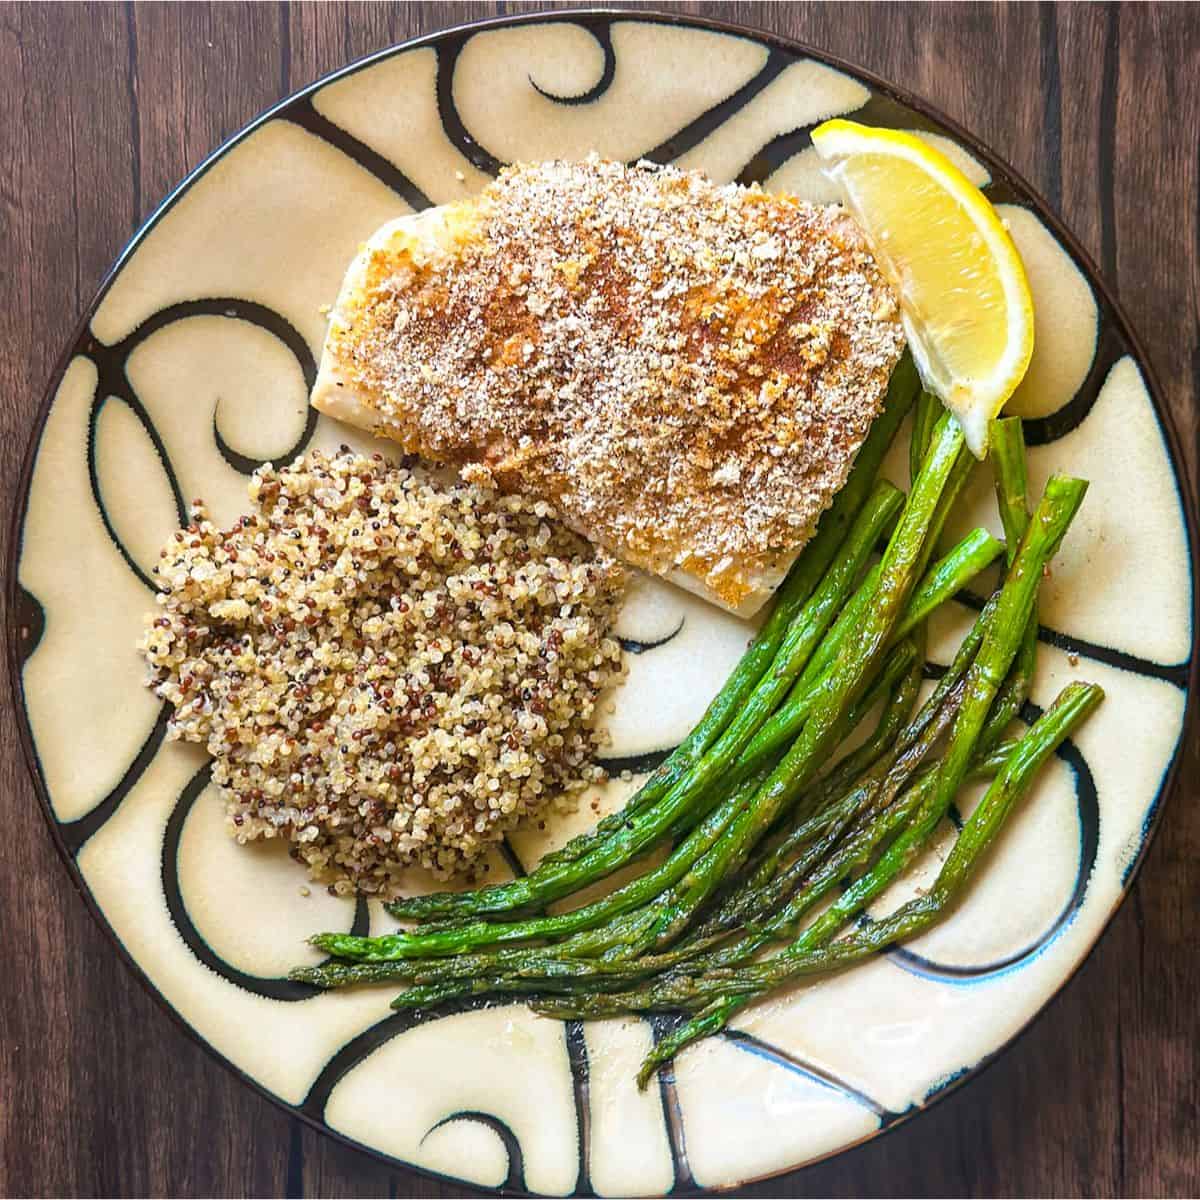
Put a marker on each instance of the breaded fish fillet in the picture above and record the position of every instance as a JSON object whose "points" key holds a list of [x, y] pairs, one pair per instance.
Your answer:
{"points": [[685, 371]]}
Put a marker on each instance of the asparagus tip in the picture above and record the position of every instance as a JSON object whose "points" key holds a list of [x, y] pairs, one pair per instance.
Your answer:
{"points": [[646, 1073]]}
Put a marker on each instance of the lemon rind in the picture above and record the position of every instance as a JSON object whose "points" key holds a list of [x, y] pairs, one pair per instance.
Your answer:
{"points": [[837, 140]]}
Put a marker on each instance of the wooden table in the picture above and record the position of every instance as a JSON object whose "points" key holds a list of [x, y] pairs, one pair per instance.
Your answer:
{"points": [[106, 107]]}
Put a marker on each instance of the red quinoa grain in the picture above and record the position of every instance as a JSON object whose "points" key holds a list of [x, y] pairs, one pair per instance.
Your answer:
{"points": [[461, 652]]}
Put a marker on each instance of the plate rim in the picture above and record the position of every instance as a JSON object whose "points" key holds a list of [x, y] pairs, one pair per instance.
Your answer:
{"points": [[1189, 506]]}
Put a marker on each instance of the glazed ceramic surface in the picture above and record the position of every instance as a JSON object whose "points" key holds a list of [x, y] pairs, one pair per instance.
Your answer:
{"points": [[194, 367]]}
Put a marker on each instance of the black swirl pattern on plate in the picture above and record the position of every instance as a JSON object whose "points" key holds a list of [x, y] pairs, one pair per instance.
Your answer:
{"points": [[303, 113], [32, 617], [577, 1057], [879, 109], [602, 32], [1174, 673], [633, 646], [271, 988], [452, 124], [692, 134], [76, 833], [637, 764], [647, 761], [111, 362], [1041, 431], [122, 393], [809, 1071], [29, 618], [662, 1024], [512, 1145], [600, 27], [360, 1048]]}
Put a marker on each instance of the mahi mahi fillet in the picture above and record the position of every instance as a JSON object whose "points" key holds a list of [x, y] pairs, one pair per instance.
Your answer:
{"points": [[685, 371]]}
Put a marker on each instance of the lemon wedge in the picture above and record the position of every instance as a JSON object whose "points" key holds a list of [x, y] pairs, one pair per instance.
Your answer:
{"points": [[963, 293]]}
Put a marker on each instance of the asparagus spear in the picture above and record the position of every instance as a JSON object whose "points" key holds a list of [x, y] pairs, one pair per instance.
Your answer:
{"points": [[877, 790], [879, 785], [1012, 482], [1008, 458], [810, 567], [1007, 440], [1071, 707], [461, 938], [943, 580], [539, 971], [901, 677], [997, 651], [925, 415]]}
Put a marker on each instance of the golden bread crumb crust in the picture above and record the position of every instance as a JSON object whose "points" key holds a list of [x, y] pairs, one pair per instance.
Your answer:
{"points": [[685, 371]]}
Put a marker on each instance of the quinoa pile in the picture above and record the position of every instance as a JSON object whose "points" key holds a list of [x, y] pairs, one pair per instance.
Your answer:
{"points": [[386, 671]]}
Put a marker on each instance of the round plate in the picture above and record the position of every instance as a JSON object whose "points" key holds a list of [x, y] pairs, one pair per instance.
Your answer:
{"points": [[193, 366]]}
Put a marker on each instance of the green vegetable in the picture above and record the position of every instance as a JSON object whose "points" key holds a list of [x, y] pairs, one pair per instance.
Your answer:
{"points": [[735, 988], [809, 568], [760, 827], [1001, 639], [925, 415]]}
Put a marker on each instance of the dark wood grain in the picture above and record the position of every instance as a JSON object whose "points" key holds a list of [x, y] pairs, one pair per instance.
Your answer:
{"points": [[103, 108]]}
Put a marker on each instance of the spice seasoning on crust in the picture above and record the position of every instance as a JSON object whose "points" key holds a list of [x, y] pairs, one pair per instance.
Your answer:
{"points": [[685, 370], [386, 672]]}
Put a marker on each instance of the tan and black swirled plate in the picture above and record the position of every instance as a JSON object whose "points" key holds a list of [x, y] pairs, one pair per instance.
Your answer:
{"points": [[193, 366]]}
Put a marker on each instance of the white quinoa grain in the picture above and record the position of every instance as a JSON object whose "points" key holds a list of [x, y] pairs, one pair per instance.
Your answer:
{"points": [[369, 656]]}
